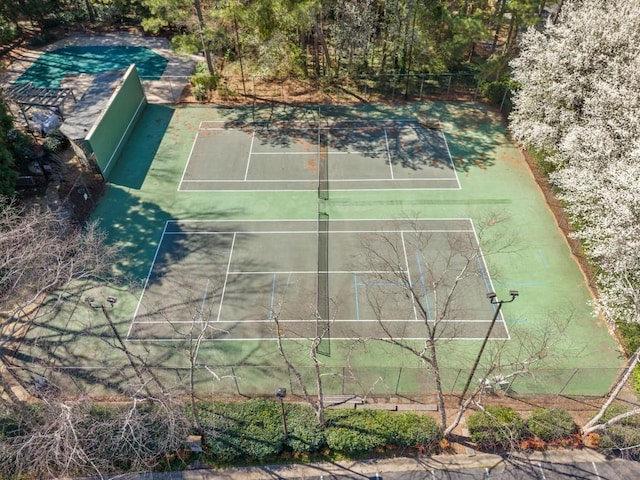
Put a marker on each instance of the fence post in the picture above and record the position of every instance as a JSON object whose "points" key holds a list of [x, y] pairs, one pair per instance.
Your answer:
{"points": [[398, 381], [453, 386], [343, 377], [393, 89], [567, 382], [504, 97], [449, 85], [421, 87], [235, 380]]}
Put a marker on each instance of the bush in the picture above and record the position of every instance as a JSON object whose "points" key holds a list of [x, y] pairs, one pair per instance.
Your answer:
{"points": [[200, 93], [205, 80], [250, 430], [305, 435], [55, 141], [356, 432], [494, 91], [410, 430], [550, 424], [495, 427]]}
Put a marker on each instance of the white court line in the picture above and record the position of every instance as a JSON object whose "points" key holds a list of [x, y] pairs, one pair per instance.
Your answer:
{"points": [[357, 152], [595, 470], [406, 262], [186, 166], [204, 301], [266, 320], [337, 180], [336, 190], [453, 165], [386, 139], [309, 232], [469, 220], [306, 272], [488, 279], [283, 154], [146, 282], [246, 171], [274, 339], [226, 277]]}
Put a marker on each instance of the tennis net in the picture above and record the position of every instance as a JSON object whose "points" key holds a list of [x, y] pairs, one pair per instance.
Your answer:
{"points": [[322, 299]]}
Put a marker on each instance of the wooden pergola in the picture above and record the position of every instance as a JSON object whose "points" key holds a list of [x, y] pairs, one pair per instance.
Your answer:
{"points": [[26, 96]]}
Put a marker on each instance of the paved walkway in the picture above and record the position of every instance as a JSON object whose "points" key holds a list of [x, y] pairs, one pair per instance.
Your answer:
{"points": [[413, 468]]}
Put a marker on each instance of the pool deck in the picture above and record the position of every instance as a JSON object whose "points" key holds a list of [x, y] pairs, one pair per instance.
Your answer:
{"points": [[165, 90]]}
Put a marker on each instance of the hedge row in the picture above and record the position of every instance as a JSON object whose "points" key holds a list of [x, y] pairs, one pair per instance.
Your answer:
{"points": [[499, 428], [254, 431]]}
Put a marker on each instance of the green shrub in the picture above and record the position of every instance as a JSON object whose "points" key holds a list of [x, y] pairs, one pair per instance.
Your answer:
{"points": [[355, 432], [55, 141], [201, 67], [410, 430], [188, 44], [630, 333], [550, 424], [305, 435], [206, 80], [200, 93], [250, 430], [495, 427], [494, 91]]}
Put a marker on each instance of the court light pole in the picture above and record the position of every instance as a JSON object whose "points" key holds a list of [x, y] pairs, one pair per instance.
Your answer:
{"points": [[493, 299]]}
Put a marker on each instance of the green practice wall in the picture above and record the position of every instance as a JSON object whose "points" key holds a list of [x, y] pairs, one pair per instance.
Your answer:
{"points": [[111, 131]]}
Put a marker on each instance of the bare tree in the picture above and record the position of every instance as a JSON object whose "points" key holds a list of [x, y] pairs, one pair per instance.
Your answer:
{"points": [[317, 403], [449, 265], [42, 254]]}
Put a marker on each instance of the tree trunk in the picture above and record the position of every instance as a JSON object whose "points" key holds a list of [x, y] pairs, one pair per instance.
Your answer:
{"points": [[591, 425], [499, 16], [205, 49], [323, 43], [91, 12], [433, 360]]}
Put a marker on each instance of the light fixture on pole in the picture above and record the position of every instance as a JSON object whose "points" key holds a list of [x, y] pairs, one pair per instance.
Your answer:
{"points": [[493, 299], [281, 393]]}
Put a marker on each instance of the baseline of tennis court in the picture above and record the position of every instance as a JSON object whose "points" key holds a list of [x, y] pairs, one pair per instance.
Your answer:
{"points": [[230, 280], [399, 154]]}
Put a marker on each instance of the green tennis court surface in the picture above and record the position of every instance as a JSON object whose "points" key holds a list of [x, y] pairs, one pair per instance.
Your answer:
{"points": [[235, 277], [393, 154], [51, 68], [230, 218]]}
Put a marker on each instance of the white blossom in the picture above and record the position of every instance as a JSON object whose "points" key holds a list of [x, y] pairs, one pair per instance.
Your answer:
{"points": [[579, 103]]}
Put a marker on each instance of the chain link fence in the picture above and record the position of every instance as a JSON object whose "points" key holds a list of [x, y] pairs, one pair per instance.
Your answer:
{"points": [[253, 381], [325, 89]]}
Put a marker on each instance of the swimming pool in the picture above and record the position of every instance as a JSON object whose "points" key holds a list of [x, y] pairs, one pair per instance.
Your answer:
{"points": [[51, 68]]}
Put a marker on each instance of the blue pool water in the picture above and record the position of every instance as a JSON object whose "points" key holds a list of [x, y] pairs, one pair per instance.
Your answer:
{"points": [[51, 67]]}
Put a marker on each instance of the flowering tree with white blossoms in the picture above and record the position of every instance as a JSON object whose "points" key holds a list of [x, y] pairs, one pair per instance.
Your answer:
{"points": [[579, 106]]}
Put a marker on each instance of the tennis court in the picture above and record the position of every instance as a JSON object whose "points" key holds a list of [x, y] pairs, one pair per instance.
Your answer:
{"points": [[231, 219], [234, 278], [360, 155]]}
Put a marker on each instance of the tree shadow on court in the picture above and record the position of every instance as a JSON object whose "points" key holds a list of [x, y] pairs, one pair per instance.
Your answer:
{"points": [[477, 137], [135, 161]]}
